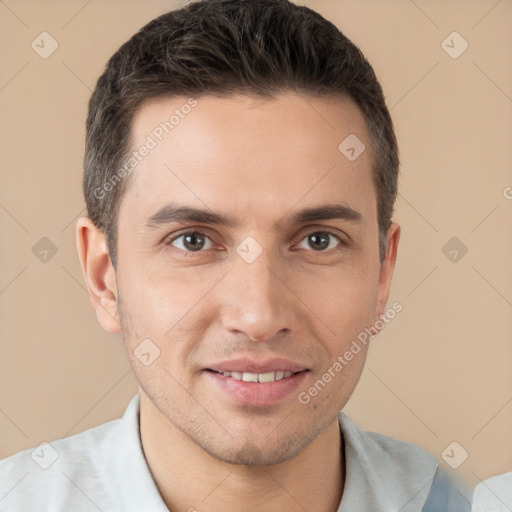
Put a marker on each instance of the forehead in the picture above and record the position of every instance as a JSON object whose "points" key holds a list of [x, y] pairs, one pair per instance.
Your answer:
{"points": [[249, 153]]}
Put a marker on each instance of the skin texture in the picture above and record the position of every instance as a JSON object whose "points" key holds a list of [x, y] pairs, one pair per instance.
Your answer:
{"points": [[258, 162]]}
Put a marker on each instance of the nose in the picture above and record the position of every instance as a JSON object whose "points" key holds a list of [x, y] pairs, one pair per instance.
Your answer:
{"points": [[257, 300]]}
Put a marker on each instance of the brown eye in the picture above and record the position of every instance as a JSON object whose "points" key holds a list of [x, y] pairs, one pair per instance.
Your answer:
{"points": [[194, 241], [319, 241]]}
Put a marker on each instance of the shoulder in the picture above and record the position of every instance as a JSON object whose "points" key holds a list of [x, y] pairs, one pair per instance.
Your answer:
{"points": [[53, 472], [395, 475], [103, 468], [68, 449]]}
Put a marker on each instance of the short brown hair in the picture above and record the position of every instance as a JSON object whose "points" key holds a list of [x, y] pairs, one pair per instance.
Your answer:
{"points": [[225, 47]]}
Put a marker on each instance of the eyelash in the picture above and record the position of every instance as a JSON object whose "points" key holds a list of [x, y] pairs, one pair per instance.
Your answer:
{"points": [[341, 243]]}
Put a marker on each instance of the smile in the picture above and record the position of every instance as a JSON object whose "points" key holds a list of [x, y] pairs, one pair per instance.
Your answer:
{"points": [[257, 387], [258, 377]]}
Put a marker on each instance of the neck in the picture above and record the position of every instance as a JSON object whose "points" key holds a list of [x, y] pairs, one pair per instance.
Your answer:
{"points": [[189, 479]]}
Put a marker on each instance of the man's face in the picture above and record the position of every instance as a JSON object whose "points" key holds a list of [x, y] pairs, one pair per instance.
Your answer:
{"points": [[266, 261]]}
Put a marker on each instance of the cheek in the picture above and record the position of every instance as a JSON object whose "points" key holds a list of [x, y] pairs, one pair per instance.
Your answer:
{"points": [[343, 299], [171, 309], [158, 297]]}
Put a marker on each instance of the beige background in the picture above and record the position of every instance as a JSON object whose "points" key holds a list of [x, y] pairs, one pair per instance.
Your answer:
{"points": [[440, 372]]}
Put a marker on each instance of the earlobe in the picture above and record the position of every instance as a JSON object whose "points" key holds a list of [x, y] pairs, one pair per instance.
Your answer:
{"points": [[386, 268], [99, 273]]}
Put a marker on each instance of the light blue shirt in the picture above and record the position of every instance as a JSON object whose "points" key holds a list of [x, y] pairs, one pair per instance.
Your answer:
{"points": [[104, 469]]}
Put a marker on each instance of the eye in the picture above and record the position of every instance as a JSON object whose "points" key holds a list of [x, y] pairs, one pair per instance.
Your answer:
{"points": [[193, 241], [320, 241]]}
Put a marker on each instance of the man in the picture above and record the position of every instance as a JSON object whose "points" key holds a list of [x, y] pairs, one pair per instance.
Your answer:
{"points": [[240, 176]]}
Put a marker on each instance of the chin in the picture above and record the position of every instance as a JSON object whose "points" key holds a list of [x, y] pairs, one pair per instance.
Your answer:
{"points": [[250, 454], [254, 450]]}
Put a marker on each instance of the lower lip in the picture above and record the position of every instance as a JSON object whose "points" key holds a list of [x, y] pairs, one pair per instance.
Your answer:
{"points": [[257, 393]]}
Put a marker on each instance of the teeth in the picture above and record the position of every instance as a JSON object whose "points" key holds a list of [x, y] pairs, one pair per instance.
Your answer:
{"points": [[267, 377], [258, 377]]}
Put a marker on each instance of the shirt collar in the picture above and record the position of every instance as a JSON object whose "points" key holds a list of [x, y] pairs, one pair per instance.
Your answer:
{"points": [[381, 473], [135, 484]]}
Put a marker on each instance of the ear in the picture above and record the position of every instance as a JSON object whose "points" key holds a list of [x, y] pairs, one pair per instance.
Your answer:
{"points": [[386, 269], [99, 273]]}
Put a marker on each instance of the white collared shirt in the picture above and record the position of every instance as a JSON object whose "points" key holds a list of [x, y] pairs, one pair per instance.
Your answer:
{"points": [[104, 469]]}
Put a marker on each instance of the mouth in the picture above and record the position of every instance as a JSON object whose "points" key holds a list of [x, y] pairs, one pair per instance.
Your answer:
{"points": [[256, 383], [257, 377]]}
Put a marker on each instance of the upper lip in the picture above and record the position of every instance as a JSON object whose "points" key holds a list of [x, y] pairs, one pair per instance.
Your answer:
{"points": [[252, 366]]}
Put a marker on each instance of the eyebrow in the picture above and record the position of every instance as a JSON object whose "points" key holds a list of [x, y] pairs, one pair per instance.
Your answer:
{"points": [[183, 214], [174, 213], [331, 211]]}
